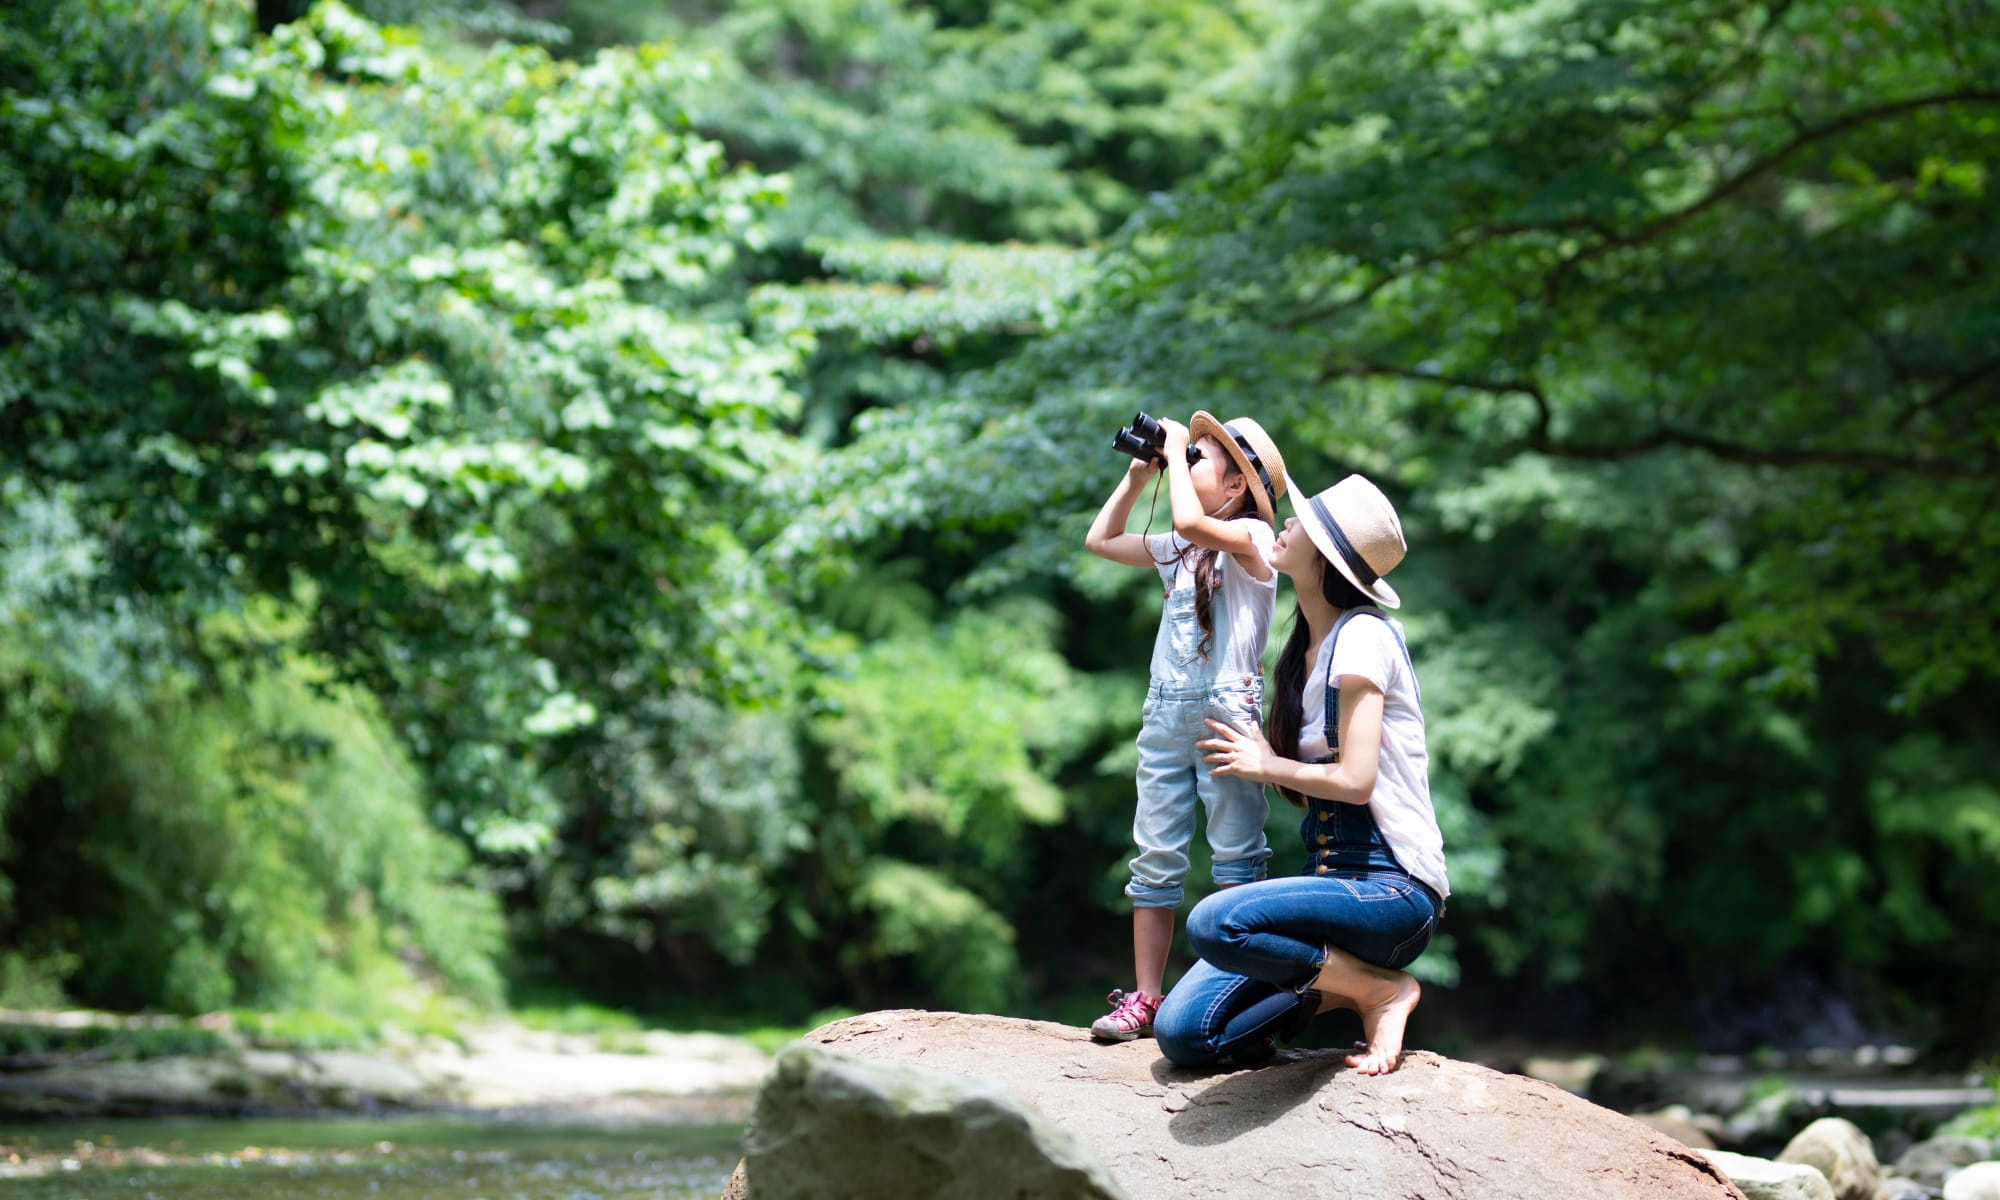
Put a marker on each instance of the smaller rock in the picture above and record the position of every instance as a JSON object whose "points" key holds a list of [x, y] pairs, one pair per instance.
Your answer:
{"points": [[1928, 1162], [1766, 1117], [1677, 1123], [1980, 1181], [1572, 1075], [1893, 1188], [1762, 1179], [834, 1128], [1889, 1146], [1841, 1152]]}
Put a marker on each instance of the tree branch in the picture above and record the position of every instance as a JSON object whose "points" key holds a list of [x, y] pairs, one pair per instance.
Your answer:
{"points": [[1542, 441], [1756, 456], [1727, 189]]}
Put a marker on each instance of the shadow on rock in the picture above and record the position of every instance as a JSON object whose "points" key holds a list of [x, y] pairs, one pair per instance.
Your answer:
{"points": [[1241, 1101]]}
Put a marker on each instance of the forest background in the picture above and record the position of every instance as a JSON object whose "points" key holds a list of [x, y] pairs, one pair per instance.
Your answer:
{"points": [[584, 501]]}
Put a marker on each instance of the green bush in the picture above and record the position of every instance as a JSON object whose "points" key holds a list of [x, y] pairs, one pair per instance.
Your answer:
{"points": [[263, 845]]}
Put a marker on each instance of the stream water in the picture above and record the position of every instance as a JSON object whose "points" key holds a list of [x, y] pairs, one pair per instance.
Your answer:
{"points": [[416, 1158]]}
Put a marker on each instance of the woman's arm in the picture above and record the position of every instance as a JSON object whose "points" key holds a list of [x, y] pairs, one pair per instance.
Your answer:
{"points": [[1245, 753], [1107, 537], [1210, 533]]}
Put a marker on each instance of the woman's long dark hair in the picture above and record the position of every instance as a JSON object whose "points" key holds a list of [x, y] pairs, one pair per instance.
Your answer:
{"points": [[1288, 681]]}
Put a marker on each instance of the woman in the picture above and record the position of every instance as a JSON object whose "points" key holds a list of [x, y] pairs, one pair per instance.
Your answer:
{"points": [[1346, 745]]}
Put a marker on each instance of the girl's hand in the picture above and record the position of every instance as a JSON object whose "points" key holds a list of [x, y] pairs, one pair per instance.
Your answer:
{"points": [[1177, 438], [1141, 470], [1234, 751]]}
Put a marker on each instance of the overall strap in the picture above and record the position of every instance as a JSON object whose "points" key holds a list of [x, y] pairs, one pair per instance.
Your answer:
{"points": [[1332, 715]]}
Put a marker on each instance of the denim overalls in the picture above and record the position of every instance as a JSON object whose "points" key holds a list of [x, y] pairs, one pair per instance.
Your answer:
{"points": [[1186, 691], [1343, 840]]}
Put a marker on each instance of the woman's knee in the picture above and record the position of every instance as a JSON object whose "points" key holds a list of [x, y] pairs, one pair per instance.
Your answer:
{"points": [[1206, 923], [1178, 1032]]}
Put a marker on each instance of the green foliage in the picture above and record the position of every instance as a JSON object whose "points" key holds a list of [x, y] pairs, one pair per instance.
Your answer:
{"points": [[696, 835], [657, 525], [108, 1042], [940, 752], [264, 849], [446, 360], [1983, 1121], [1662, 327]]}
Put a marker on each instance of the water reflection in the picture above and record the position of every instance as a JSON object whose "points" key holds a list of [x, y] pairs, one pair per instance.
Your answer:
{"points": [[381, 1159]]}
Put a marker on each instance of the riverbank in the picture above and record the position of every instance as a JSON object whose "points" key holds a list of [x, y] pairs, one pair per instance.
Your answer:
{"points": [[77, 1064]]}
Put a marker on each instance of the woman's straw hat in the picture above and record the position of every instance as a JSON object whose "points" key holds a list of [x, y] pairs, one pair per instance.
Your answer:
{"points": [[1356, 528], [1255, 454]]}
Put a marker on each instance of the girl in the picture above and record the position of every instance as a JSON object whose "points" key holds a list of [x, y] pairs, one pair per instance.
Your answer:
{"points": [[1347, 745], [1219, 593]]}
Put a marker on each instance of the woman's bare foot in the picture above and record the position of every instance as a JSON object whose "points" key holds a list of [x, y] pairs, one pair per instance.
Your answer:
{"points": [[1384, 998]]}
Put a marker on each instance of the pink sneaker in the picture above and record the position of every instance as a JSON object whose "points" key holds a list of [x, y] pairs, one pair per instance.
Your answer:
{"points": [[1131, 1016]]}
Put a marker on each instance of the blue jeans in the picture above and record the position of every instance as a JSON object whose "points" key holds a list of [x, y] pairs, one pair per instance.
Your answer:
{"points": [[1261, 943], [1174, 777]]}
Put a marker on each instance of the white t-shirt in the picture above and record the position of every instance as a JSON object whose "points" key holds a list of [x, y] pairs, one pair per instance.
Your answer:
{"points": [[1402, 799], [1241, 613]]}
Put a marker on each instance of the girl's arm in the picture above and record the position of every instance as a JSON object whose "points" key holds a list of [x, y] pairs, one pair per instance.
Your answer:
{"points": [[1211, 533], [1245, 753], [1107, 537]]}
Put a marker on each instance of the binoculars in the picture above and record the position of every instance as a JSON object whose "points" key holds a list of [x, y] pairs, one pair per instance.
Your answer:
{"points": [[1143, 440]]}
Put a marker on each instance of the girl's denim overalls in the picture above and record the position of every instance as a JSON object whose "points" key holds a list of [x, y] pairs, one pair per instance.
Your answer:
{"points": [[1186, 691]]}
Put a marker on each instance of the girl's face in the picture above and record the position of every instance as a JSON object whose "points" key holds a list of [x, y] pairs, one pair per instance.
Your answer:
{"points": [[1294, 554], [1215, 484]]}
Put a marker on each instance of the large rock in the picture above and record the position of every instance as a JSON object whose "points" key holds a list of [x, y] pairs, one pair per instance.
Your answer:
{"points": [[1762, 1179], [1299, 1126], [1841, 1152], [1980, 1181], [828, 1127], [1929, 1162]]}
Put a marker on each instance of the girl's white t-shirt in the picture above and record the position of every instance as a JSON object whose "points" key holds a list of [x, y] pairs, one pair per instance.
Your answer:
{"points": [[1402, 800], [1242, 611]]}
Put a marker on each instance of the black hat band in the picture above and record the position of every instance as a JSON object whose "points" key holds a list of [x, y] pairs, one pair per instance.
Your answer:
{"points": [[1362, 571], [1256, 464]]}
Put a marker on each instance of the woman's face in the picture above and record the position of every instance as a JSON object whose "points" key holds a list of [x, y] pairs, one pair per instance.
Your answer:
{"points": [[1295, 555], [1214, 486]]}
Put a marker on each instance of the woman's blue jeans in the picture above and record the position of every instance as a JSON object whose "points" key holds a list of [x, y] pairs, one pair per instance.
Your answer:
{"points": [[1262, 942]]}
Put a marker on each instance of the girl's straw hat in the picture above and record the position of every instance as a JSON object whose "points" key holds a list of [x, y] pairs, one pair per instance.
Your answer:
{"points": [[1254, 453], [1356, 528]]}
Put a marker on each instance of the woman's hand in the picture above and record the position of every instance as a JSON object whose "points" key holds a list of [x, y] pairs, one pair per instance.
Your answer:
{"points": [[1234, 751]]}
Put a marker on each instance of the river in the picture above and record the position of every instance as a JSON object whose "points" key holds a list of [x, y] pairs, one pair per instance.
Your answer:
{"points": [[348, 1158]]}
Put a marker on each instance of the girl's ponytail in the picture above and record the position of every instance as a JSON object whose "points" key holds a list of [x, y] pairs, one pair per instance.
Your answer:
{"points": [[1207, 568]]}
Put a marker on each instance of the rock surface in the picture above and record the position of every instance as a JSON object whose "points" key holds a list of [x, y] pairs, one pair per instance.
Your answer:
{"points": [[1762, 1179], [1928, 1162], [1980, 1181], [1840, 1151], [828, 1127], [497, 1067], [1302, 1125]]}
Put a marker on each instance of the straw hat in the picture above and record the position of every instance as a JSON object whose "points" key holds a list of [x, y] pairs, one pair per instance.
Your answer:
{"points": [[1255, 454], [1356, 528]]}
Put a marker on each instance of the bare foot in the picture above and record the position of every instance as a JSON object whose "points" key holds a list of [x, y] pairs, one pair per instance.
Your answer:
{"points": [[1382, 1024], [1384, 998]]}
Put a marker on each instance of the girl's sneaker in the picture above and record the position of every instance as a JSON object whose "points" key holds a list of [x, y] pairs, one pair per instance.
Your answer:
{"points": [[1131, 1016]]}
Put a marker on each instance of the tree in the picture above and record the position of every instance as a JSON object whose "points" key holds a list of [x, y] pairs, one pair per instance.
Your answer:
{"points": [[1665, 325]]}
